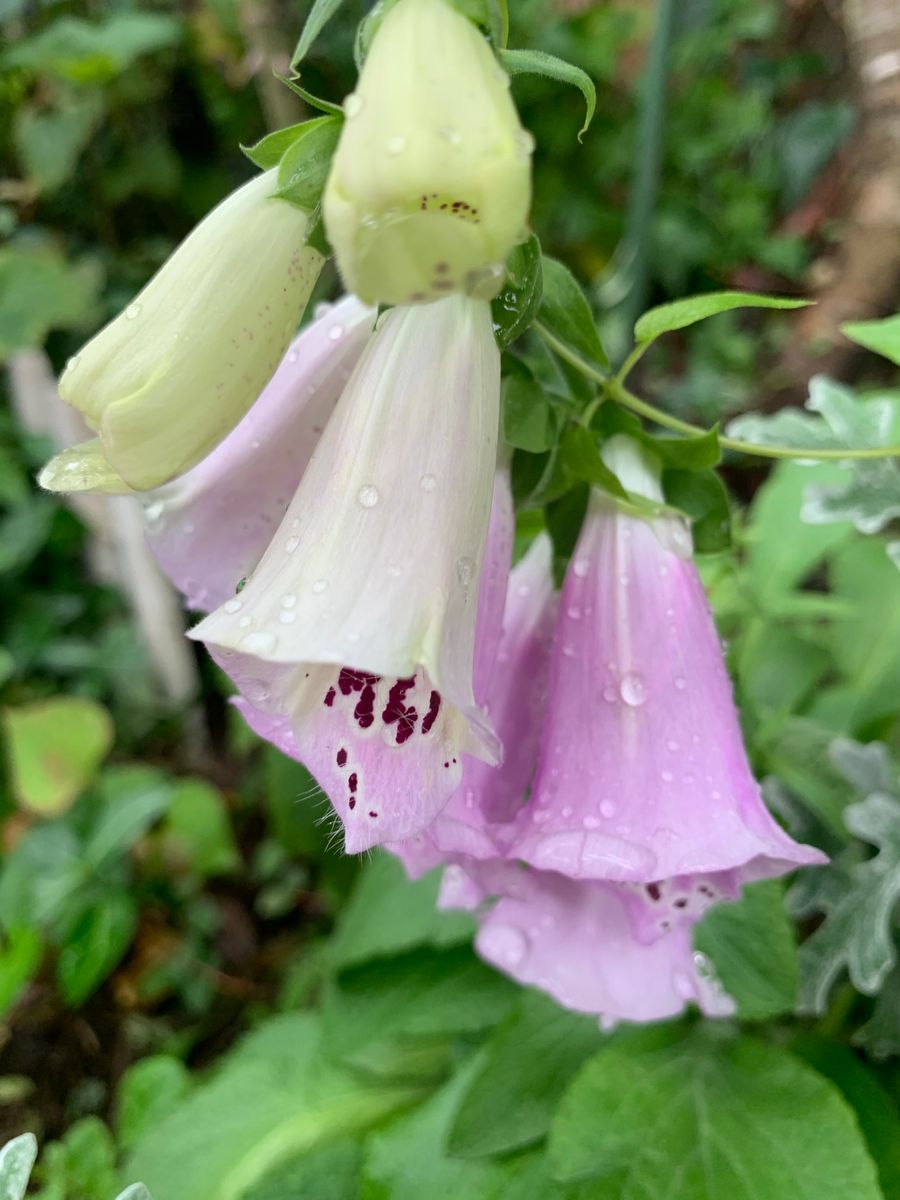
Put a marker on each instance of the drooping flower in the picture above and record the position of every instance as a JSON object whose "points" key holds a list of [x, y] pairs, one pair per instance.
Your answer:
{"points": [[166, 380], [643, 777], [209, 528], [352, 642], [430, 185]]}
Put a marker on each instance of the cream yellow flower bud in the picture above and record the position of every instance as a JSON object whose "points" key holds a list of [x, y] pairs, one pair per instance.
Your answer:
{"points": [[430, 185], [166, 380]]}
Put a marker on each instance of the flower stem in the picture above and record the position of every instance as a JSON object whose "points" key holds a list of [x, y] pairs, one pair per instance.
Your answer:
{"points": [[614, 389]]}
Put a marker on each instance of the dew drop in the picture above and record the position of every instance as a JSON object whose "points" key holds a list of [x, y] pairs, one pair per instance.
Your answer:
{"points": [[153, 512], [245, 622], [428, 483], [592, 822], [233, 606], [291, 545], [524, 144], [293, 355], [73, 362], [503, 944], [286, 617], [610, 695], [633, 690], [667, 776], [396, 145], [368, 495], [581, 566], [132, 312], [335, 333], [319, 586], [260, 641], [353, 106], [464, 569], [680, 682], [574, 612], [288, 600], [671, 744], [607, 809]]}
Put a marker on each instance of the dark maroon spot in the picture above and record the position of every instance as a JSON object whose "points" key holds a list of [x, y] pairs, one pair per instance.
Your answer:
{"points": [[653, 891], [354, 681], [446, 764], [353, 781], [706, 891], [364, 713], [352, 802], [329, 697], [342, 757], [434, 707], [396, 711], [681, 903], [373, 814]]}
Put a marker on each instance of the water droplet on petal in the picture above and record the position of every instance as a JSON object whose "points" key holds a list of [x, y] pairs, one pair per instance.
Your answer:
{"points": [[633, 690], [291, 545], [428, 483], [680, 682], [73, 362], [368, 495], [464, 569], [288, 600], [233, 606], [524, 144], [132, 312], [610, 695], [319, 586], [353, 106], [287, 617], [503, 944], [259, 642], [607, 809], [581, 566], [395, 145]]}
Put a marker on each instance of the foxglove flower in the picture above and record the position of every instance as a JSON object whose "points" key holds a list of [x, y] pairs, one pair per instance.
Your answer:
{"points": [[430, 185], [209, 528], [643, 777], [352, 642], [165, 381]]}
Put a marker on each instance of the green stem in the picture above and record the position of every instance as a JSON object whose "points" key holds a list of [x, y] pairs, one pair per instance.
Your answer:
{"points": [[614, 389]]}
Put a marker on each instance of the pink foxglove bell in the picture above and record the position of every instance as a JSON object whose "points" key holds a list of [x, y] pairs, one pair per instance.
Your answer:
{"points": [[353, 640]]}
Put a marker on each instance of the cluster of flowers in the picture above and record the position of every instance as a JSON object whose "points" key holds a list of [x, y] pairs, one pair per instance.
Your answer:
{"points": [[572, 760]]}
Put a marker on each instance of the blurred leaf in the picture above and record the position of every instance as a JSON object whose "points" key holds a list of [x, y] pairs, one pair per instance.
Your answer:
{"points": [[21, 951], [136, 1191], [871, 499], [387, 914], [751, 944], [735, 1118], [50, 142], [16, 1160], [537, 62], [81, 1164], [514, 308], [40, 877], [294, 803], [24, 533], [129, 801], [527, 1065], [687, 453], [270, 1100], [329, 1173], [805, 140], [54, 748], [701, 495], [91, 52], [565, 313], [198, 825], [681, 313], [881, 336], [319, 15], [95, 945], [880, 1036], [39, 291], [147, 1092], [844, 421], [858, 902], [778, 668]]}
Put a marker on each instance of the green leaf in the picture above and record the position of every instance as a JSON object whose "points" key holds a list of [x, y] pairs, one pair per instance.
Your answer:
{"points": [[54, 748], [39, 291], [858, 901], [50, 142], [81, 1164], [272, 1099], [514, 308], [704, 1116], [92, 52], [701, 495], [328, 1173], [530, 422], [681, 313], [528, 1064], [95, 945], [566, 315], [865, 638], [536, 62], [778, 669], [21, 951], [16, 1160], [23, 534], [294, 805], [305, 164], [146, 1094], [751, 944], [129, 800], [387, 914], [687, 453], [198, 828], [269, 151], [136, 1191], [881, 336], [423, 994], [871, 499], [41, 877], [880, 1036], [319, 15], [579, 458], [843, 421]]}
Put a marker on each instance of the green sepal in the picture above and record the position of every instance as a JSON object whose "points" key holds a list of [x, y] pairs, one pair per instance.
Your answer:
{"points": [[513, 310], [324, 106], [320, 14], [305, 164], [536, 62]]}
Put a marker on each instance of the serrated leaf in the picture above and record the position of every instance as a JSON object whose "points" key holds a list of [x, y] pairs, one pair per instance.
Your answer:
{"points": [[537, 62], [513, 310], [871, 499], [271, 1099], [54, 749], [304, 166], [704, 1116], [528, 1064], [681, 313], [565, 313], [319, 15], [881, 336], [858, 901], [751, 944], [16, 1160]]}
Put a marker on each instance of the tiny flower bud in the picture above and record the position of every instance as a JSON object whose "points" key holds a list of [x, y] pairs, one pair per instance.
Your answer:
{"points": [[430, 186], [165, 381]]}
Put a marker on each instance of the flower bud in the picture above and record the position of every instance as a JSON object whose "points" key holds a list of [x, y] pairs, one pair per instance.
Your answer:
{"points": [[430, 185], [166, 380]]}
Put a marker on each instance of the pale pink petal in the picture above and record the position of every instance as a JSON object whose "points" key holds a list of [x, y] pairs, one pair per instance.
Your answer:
{"points": [[643, 774], [209, 528]]}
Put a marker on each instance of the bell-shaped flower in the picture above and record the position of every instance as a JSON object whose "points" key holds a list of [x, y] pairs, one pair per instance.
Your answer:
{"points": [[430, 186], [165, 381], [352, 642], [643, 777], [209, 528]]}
